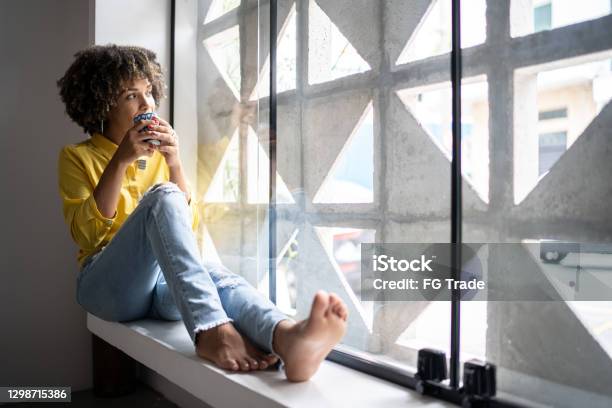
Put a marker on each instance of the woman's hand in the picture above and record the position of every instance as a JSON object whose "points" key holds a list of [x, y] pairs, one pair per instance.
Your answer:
{"points": [[169, 147], [133, 144]]}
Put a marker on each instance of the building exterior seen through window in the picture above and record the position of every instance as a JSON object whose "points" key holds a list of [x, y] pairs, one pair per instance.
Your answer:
{"points": [[363, 155]]}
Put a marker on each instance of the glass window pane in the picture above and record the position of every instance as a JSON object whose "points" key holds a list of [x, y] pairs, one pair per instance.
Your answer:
{"points": [[330, 155], [432, 36], [218, 8], [542, 17], [549, 110], [561, 97], [529, 16]]}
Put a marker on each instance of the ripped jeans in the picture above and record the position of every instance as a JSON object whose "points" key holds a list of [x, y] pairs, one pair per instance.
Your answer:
{"points": [[152, 268]]}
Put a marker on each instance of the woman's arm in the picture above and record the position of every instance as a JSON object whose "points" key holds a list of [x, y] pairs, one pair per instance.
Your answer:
{"points": [[108, 189], [132, 146], [87, 225]]}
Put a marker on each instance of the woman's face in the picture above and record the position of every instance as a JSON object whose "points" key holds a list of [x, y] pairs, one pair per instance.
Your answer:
{"points": [[135, 98]]}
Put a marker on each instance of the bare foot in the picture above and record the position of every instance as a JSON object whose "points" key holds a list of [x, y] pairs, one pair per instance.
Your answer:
{"points": [[304, 345], [228, 349]]}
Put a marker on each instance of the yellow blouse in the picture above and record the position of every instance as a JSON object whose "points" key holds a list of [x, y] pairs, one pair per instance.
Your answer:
{"points": [[80, 168]]}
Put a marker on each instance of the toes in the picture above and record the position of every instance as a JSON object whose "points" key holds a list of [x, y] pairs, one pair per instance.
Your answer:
{"points": [[336, 309], [270, 359], [263, 360], [266, 360], [253, 363], [334, 300], [337, 306], [320, 303], [244, 365], [231, 365]]}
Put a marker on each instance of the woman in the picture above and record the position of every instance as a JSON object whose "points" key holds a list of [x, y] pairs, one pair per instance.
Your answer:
{"points": [[133, 221]]}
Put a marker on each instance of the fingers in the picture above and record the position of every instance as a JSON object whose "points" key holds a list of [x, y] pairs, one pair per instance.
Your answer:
{"points": [[164, 127], [141, 125], [166, 139], [163, 122]]}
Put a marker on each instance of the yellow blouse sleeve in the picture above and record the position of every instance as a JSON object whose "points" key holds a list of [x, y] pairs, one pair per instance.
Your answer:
{"points": [[87, 225]]}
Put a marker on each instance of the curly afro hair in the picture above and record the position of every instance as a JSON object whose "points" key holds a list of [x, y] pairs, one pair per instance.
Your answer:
{"points": [[91, 85]]}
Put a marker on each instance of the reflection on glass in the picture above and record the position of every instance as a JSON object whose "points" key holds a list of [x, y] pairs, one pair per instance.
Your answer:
{"points": [[224, 49], [529, 16], [431, 106], [258, 174], [597, 318], [285, 61], [224, 186], [554, 107], [286, 276], [330, 54], [433, 34], [343, 246], [350, 179], [219, 8]]}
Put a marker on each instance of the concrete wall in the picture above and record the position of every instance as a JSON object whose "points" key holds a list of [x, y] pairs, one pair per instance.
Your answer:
{"points": [[44, 340]]}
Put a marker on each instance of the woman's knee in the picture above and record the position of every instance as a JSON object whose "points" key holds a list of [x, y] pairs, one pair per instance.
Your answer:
{"points": [[165, 194], [160, 190]]}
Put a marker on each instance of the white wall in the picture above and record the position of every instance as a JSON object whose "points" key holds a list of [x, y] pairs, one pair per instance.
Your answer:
{"points": [[44, 339], [144, 23]]}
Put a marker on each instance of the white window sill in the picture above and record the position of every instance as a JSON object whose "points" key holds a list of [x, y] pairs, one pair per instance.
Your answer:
{"points": [[166, 348]]}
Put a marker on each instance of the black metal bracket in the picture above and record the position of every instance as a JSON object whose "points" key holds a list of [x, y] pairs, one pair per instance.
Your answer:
{"points": [[479, 383], [479, 380]]}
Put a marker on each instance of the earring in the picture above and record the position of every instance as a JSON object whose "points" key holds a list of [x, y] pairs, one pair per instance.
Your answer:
{"points": [[102, 126]]}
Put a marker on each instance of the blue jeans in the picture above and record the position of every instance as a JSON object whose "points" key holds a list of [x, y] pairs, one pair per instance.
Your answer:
{"points": [[152, 268]]}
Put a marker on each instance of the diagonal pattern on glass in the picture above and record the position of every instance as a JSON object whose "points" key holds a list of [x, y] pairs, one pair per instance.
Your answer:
{"points": [[351, 178], [287, 265], [224, 49], [258, 177], [433, 34], [361, 26], [285, 60], [208, 250], [220, 7], [553, 107], [341, 246], [224, 186], [328, 124], [330, 54], [432, 109]]}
